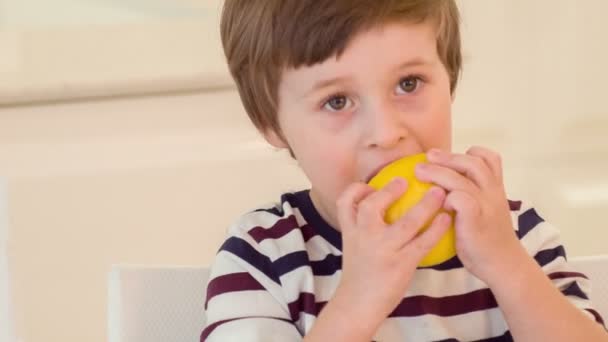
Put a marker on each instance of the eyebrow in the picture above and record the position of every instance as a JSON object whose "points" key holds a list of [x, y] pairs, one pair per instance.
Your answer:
{"points": [[332, 81]]}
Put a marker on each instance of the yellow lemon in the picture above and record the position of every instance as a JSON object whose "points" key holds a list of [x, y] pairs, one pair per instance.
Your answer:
{"points": [[404, 168]]}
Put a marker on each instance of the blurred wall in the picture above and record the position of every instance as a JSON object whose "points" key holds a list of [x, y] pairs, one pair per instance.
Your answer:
{"points": [[157, 179]]}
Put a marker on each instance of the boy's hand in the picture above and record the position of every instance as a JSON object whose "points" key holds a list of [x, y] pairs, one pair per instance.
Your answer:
{"points": [[379, 259], [485, 240]]}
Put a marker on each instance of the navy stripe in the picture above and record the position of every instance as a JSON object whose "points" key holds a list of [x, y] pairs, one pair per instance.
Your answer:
{"points": [[479, 300], [246, 252], [278, 208], [274, 211], [304, 203], [450, 264], [527, 221], [545, 256], [290, 262], [328, 266], [574, 290]]}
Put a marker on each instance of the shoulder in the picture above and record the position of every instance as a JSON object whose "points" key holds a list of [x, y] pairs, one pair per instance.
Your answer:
{"points": [[268, 222], [540, 238], [271, 230]]}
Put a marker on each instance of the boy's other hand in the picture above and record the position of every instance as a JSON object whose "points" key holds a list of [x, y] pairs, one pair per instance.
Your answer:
{"points": [[486, 242], [380, 259]]}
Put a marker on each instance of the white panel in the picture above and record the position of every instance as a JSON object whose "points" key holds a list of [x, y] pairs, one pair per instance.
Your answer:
{"points": [[69, 49]]}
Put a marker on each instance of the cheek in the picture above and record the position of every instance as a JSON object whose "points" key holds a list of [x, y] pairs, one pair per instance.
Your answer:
{"points": [[442, 128], [432, 123], [330, 164]]}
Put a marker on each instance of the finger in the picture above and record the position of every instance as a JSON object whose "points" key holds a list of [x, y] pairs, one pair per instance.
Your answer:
{"points": [[417, 217], [473, 167], [372, 209], [462, 203], [492, 159], [445, 177], [423, 243], [346, 205]]}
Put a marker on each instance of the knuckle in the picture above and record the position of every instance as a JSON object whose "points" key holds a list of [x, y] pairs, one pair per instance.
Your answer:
{"points": [[478, 163], [497, 159]]}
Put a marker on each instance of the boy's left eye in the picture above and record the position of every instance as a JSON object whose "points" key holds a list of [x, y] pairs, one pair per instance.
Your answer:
{"points": [[408, 85]]}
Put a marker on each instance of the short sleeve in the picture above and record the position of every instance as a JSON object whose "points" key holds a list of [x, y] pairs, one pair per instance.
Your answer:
{"points": [[542, 241], [244, 297]]}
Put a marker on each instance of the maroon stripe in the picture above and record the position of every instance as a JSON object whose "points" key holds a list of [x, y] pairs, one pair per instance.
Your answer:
{"points": [[446, 306], [597, 316], [506, 337], [562, 275], [514, 205], [306, 302], [281, 228], [308, 232], [210, 328], [233, 282], [412, 306]]}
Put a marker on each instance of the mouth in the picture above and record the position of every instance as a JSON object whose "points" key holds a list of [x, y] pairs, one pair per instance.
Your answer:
{"points": [[377, 170]]}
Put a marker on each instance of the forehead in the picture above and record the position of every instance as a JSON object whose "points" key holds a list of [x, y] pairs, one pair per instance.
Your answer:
{"points": [[378, 50]]}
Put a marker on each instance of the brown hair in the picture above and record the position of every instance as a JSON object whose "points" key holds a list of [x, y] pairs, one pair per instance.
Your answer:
{"points": [[263, 37]]}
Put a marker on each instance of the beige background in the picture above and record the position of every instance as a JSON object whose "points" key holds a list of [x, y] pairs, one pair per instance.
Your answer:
{"points": [[157, 179]]}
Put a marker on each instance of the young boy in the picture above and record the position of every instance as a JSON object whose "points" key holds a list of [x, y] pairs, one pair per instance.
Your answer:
{"points": [[347, 87]]}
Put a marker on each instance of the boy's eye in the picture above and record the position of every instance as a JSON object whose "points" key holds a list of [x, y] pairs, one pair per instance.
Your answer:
{"points": [[336, 103], [408, 84]]}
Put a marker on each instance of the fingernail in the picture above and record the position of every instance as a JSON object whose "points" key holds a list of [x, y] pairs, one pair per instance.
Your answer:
{"points": [[398, 181], [421, 167]]}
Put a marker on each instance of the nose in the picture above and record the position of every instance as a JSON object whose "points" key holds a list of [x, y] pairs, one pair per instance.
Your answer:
{"points": [[386, 128]]}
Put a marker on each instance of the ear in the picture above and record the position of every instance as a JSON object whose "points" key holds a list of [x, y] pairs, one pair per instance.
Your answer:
{"points": [[275, 139]]}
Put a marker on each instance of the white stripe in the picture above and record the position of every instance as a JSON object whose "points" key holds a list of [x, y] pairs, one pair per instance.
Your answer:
{"points": [[224, 264], [543, 236], [318, 248], [487, 323], [224, 258], [244, 304], [261, 218], [255, 329]]}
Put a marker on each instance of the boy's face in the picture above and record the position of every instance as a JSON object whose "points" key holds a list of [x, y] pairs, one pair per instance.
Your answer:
{"points": [[386, 97]]}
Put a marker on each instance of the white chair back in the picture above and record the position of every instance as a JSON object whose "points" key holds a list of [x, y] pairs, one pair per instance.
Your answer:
{"points": [[156, 304], [7, 333], [596, 268]]}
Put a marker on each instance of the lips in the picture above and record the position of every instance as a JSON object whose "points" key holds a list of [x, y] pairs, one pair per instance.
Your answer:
{"points": [[378, 169]]}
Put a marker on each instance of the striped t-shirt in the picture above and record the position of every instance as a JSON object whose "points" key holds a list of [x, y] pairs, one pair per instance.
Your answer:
{"points": [[281, 265]]}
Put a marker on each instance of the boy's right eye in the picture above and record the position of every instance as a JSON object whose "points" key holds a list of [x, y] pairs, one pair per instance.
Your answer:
{"points": [[336, 103]]}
